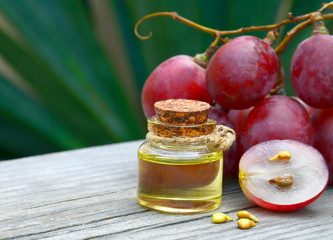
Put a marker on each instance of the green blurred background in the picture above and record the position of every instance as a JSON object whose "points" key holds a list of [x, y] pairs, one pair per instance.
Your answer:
{"points": [[71, 71]]}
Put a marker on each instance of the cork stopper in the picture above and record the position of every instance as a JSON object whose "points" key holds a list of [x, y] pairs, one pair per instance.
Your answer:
{"points": [[164, 130], [181, 112]]}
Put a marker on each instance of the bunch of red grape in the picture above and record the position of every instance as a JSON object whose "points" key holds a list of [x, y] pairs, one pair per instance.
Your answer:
{"points": [[238, 80]]}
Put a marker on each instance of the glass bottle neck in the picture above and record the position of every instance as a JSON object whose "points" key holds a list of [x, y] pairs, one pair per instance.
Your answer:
{"points": [[178, 147]]}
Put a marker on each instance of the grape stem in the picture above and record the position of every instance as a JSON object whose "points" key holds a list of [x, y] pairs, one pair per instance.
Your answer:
{"points": [[307, 18], [179, 18], [294, 31], [203, 58]]}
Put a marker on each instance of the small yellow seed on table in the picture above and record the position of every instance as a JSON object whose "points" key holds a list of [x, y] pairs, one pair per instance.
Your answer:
{"points": [[245, 223], [246, 214], [220, 218]]}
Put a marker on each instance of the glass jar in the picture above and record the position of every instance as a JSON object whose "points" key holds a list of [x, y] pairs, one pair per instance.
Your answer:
{"points": [[178, 172]]}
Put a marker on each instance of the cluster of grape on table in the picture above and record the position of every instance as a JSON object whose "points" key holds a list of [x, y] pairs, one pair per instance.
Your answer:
{"points": [[237, 83]]}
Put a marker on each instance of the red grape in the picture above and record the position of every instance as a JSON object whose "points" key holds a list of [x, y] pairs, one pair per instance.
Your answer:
{"points": [[220, 116], [237, 156], [322, 121], [238, 118], [177, 77], [242, 72], [229, 156], [277, 117], [308, 108], [312, 71]]}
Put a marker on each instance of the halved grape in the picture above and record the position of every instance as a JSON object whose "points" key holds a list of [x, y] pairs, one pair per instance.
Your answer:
{"points": [[306, 167]]}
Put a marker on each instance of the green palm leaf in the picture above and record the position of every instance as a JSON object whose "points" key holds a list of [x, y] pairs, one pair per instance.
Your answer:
{"points": [[71, 75]]}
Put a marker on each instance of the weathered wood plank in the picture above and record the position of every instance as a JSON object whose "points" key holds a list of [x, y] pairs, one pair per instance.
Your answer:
{"points": [[91, 193]]}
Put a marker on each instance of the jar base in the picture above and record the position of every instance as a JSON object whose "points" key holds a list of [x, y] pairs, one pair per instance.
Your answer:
{"points": [[179, 206]]}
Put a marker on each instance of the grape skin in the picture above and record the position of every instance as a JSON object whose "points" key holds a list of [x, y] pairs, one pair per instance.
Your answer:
{"points": [[177, 77], [312, 71], [322, 121], [242, 72], [229, 156], [308, 108], [238, 119], [277, 117]]}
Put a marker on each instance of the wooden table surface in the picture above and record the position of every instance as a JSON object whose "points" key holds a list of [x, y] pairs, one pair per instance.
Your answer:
{"points": [[91, 193]]}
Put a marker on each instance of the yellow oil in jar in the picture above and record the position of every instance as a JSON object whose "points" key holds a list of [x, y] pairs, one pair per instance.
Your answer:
{"points": [[180, 185]]}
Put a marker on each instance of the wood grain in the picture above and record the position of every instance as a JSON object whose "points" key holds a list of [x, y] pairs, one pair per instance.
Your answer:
{"points": [[91, 194]]}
